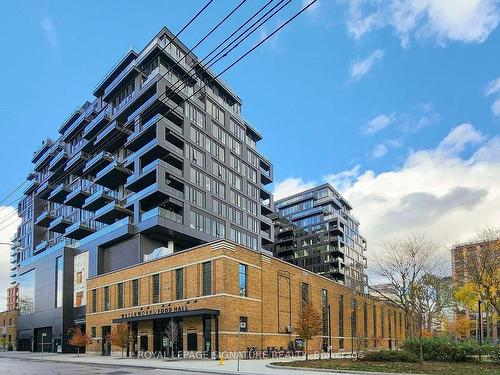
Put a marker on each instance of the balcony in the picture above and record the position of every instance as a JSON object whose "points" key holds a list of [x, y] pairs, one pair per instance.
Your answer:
{"points": [[157, 126], [112, 137], [114, 72], [160, 148], [59, 194], [70, 120], [265, 207], [81, 229], [77, 163], [46, 145], [58, 161], [265, 176], [113, 175], [121, 80], [99, 199], [158, 194], [77, 197], [60, 224], [96, 125], [77, 125], [162, 212], [97, 163], [41, 246], [266, 237], [45, 218], [149, 174], [44, 190], [112, 212], [31, 187]]}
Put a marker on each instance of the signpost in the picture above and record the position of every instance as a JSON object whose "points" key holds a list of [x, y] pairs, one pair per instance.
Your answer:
{"points": [[43, 335]]}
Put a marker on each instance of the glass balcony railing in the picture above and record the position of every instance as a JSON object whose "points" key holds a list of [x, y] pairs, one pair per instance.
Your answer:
{"points": [[158, 211]]}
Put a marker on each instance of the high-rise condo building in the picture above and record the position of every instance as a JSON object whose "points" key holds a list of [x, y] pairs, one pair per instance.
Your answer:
{"points": [[315, 230], [159, 161]]}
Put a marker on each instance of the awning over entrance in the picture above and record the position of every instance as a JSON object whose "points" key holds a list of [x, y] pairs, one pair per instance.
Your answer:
{"points": [[162, 313]]}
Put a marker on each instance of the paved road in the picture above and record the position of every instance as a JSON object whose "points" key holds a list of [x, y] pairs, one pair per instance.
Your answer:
{"points": [[27, 366]]}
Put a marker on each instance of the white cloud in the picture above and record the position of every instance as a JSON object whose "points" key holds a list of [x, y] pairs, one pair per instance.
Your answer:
{"points": [[458, 138], [379, 150], [377, 123], [361, 67], [495, 107], [49, 30], [291, 186], [9, 225], [344, 179], [493, 87], [436, 191], [467, 21]]}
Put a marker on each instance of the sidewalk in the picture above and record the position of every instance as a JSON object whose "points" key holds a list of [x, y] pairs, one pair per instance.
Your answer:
{"points": [[201, 366]]}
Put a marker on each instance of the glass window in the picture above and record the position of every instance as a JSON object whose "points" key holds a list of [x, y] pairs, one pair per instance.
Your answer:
{"points": [[59, 281], [156, 288], [207, 278], [94, 300], [27, 293], [341, 322], [324, 303], [135, 292], [243, 324], [120, 296], [106, 298], [305, 293], [179, 283], [243, 269]]}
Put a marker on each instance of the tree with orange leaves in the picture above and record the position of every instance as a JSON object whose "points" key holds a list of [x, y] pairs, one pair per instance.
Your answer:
{"points": [[309, 324]]}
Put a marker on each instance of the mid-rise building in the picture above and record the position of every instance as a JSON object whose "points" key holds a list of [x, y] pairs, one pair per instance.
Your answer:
{"points": [[8, 329], [160, 160], [13, 297], [462, 256], [315, 230], [224, 297]]}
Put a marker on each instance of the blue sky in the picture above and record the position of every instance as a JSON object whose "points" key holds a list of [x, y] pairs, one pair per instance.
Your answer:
{"points": [[353, 92]]}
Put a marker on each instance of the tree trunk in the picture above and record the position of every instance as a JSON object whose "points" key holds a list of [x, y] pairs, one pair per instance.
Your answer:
{"points": [[307, 341], [421, 344], [78, 351]]}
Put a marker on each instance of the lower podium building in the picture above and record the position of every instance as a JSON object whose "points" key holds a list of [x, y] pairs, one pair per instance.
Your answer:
{"points": [[222, 296]]}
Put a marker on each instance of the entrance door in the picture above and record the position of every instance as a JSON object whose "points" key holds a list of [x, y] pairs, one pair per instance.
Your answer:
{"points": [[43, 339], [106, 345], [144, 343], [192, 341]]}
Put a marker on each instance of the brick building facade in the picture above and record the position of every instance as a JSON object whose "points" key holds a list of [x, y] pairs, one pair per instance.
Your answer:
{"points": [[8, 328], [213, 290]]}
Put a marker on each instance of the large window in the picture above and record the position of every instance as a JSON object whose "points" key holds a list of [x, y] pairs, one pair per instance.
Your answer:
{"points": [[207, 278], [341, 322], [59, 281], [120, 296], [27, 293], [156, 288], [324, 303], [243, 270], [304, 293], [94, 300], [179, 283], [135, 292], [353, 317], [106, 298]]}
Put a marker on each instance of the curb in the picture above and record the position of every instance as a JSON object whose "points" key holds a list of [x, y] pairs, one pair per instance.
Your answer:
{"points": [[142, 367], [339, 371]]}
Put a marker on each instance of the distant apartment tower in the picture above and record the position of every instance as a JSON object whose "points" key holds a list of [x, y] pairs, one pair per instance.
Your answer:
{"points": [[315, 230], [469, 253], [13, 297], [143, 170]]}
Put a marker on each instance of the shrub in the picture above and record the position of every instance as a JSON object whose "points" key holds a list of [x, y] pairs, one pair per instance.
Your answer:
{"points": [[390, 356], [491, 350], [441, 349]]}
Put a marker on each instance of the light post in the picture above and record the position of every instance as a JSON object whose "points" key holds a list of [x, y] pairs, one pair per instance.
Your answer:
{"points": [[480, 327], [329, 332], [242, 325], [43, 335]]}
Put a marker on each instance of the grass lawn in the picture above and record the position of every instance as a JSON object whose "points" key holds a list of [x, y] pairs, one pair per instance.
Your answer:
{"points": [[413, 368]]}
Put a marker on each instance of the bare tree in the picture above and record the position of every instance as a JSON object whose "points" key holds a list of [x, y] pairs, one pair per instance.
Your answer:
{"points": [[405, 264], [434, 295], [172, 333]]}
